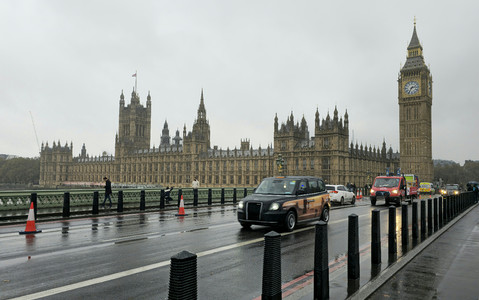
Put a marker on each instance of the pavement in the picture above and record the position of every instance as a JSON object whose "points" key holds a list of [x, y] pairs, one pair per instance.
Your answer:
{"points": [[443, 266], [447, 268]]}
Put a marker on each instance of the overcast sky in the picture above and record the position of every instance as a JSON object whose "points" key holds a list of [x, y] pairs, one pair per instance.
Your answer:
{"points": [[63, 65]]}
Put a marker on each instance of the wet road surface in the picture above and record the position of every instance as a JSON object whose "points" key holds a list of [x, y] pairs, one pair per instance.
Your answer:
{"points": [[127, 257]]}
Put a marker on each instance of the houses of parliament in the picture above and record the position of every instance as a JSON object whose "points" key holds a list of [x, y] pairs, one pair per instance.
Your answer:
{"points": [[328, 153]]}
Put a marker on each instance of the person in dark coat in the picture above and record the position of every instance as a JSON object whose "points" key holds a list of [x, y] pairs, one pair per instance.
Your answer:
{"points": [[108, 191]]}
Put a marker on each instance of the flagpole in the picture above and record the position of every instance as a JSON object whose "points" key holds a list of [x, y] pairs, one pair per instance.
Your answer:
{"points": [[136, 78]]}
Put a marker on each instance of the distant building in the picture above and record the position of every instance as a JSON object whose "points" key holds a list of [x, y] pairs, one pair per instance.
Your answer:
{"points": [[415, 101], [329, 153]]}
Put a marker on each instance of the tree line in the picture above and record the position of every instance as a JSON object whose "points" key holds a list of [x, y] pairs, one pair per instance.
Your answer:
{"points": [[20, 171]]}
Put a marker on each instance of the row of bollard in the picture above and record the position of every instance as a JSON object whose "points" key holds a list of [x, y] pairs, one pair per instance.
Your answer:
{"points": [[439, 212], [95, 204]]}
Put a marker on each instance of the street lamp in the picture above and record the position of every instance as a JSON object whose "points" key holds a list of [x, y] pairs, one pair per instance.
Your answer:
{"points": [[280, 163]]}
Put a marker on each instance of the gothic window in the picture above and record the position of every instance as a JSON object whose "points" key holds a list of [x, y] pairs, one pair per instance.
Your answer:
{"points": [[283, 145], [312, 163], [232, 179], [326, 143], [296, 164], [247, 179], [304, 163], [217, 165], [325, 163], [247, 165], [239, 179]]}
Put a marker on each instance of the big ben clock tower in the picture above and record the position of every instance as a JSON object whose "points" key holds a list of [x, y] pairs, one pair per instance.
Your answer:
{"points": [[415, 101]]}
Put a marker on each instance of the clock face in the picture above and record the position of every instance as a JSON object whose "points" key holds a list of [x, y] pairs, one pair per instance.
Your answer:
{"points": [[411, 88]]}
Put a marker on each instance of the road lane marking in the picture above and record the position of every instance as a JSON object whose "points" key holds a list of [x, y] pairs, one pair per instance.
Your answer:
{"points": [[150, 267]]}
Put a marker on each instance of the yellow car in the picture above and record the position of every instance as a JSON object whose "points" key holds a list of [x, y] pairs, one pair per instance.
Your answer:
{"points": [[426, 188]]}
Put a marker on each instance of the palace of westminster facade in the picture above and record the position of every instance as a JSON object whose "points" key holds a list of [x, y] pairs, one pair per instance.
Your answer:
{"points": [[328, 154]]}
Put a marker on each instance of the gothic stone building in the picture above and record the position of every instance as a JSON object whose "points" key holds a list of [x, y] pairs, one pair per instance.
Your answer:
{"points": [[177, 161], [328, 154]]}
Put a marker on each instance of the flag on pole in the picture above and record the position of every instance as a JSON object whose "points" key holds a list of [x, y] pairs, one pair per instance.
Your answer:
{"points": [[134, 75]]}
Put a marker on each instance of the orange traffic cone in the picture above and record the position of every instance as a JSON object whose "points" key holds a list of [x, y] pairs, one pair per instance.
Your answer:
{"points": [[181, 211], [30, 228]]}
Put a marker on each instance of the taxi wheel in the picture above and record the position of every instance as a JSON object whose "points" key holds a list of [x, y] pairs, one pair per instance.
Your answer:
{"points": [[290, 220], [342, 200], [325, 215]]}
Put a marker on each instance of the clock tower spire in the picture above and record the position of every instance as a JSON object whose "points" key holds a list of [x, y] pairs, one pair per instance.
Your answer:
{"points": [[415, 101]]}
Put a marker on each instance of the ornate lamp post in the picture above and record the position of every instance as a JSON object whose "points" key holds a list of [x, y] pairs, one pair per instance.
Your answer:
{"points": [[280, 163]]}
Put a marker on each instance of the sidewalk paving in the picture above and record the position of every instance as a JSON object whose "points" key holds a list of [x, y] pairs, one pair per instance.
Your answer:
{"points": [[447, 269]]}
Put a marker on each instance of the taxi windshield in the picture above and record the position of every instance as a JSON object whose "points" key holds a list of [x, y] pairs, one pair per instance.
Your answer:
{"points": [[386, 182], [276, 186]]}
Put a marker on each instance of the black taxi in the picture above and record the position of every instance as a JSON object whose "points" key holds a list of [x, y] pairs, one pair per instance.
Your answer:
{"points": [[285, 201]]}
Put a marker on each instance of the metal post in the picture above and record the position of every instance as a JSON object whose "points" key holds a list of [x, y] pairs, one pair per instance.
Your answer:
{"points": [[245, 192], [33, 199], [119, 208], [404, 226], [272, 266], [222, 196], [162, 199], [195, 197], [180, 193], [353, 247], [95, 203], [321, 268], [183, 277], [415, 231], [392, 244], [423, 219], [429, 216], [441, 213], [66, 205], [210, 198], [142, 200], [436, 220], [234, 196], [376, 237]]}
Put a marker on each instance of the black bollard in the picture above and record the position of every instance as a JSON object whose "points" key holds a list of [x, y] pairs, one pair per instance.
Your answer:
{"points": [[321, 267], [95, 203], [245, 192], [404, 227], [183, 277], [234, 196], [392, 239], [222, 196], [429, 216], [210, 197], [66, 205], [353, 247], [33, 199], [195, 197], [376, 237], [180, 193], [119, 207], [447, 202], [423, 219], [441, 213], [436, 220], [162, 199], [272, 266], [142, 200], [415, 231]]}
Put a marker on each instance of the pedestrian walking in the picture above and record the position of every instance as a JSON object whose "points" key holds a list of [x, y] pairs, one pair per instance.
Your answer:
{"points": [[108, 191]]}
